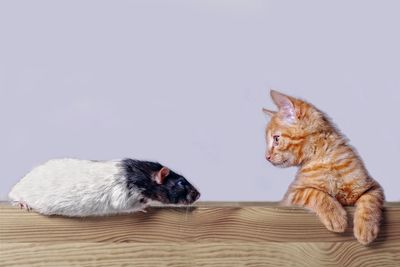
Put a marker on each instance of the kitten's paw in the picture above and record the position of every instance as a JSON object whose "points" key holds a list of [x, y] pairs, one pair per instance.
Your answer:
{"points": [[335, 221], [365, 231]]}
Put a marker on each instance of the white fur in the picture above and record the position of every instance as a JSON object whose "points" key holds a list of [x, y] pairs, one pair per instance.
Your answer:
{"points": [[73, 187]]}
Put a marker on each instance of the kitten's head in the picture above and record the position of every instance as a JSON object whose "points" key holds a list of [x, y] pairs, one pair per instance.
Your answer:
{"points": [[289, 130]]}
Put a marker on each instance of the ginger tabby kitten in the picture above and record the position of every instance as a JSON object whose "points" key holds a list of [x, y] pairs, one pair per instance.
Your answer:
{"points": [[331, 174]]}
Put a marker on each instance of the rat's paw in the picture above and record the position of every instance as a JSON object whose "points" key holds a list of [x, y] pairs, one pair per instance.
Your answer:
{"points": [[143, 204], [365, 231], [335, 221], [23, 205], [143, 210]]}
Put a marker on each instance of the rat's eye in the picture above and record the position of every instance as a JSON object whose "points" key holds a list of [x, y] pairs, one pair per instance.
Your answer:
{"points": [[276, 139], [179, 183]]}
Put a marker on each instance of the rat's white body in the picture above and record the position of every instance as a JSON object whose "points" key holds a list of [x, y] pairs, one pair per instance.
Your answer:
{"points": [[73, 187]]}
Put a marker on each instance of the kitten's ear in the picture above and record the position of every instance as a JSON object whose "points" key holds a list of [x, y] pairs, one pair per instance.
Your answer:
{"points": [[161, 174], [268, 112], [285, 105]]}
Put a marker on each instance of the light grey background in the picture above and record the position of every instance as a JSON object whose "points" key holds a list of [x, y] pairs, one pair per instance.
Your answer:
{"points": [[183, 82]]}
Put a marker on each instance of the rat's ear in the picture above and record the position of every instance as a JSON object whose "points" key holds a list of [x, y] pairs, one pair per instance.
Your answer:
{"points": [[285, 105], [161, 174], [268, 112]]}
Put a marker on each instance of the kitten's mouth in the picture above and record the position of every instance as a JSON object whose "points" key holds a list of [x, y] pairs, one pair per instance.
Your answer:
{"points": [[281, 164]]}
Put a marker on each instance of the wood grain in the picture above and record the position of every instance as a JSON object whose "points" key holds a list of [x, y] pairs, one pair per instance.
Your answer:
{"points": [[209, 234], [200, 254], [208, 224]]}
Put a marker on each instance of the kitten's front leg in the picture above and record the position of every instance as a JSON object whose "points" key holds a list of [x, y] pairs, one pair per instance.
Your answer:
{"points": [[368, 214], [329, 210]]}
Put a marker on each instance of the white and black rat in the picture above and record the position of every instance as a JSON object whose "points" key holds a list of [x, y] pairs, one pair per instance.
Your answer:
{"points": [[78, 188]]}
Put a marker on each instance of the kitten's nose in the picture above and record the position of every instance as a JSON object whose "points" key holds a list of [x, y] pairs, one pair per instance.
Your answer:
{"points": [[268, 156]]}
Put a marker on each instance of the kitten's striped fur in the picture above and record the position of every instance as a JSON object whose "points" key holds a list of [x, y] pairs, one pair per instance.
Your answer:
{"points": [[331, 174]]}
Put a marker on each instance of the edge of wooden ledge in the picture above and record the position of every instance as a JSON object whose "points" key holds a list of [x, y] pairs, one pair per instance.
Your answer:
{"points": [[255, 204], [221, 204]]}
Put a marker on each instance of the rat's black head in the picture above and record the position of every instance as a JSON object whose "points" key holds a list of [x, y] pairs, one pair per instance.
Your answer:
{"points": [[158, 183], [178, 190]]}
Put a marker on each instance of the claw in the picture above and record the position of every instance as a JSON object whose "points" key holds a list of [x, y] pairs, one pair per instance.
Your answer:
{"points": [[23, 205]]}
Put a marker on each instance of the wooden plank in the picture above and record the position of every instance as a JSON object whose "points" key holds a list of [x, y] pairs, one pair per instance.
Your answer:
{"points": [[208, 234], [200, 254], [201, 224]]}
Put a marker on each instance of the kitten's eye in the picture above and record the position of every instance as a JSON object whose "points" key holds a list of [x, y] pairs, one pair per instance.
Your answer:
{"points": [[276, 139]]}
